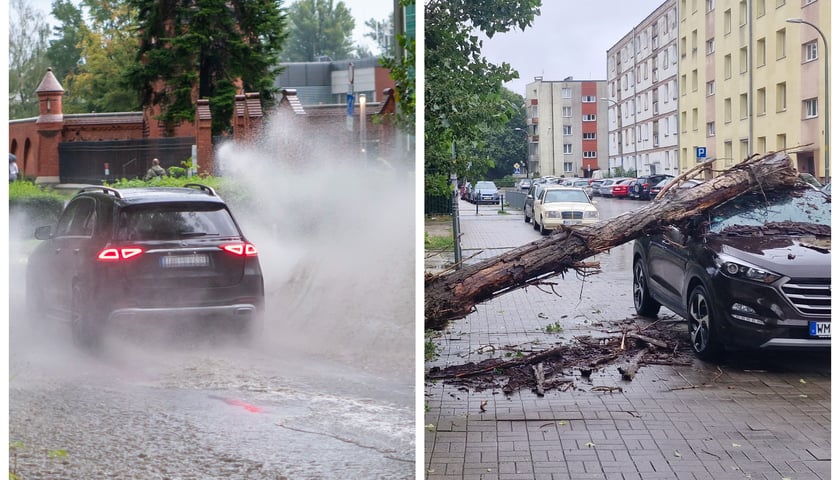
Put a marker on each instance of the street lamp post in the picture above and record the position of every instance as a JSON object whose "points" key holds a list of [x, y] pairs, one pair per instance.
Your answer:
{"points": [[825, 64], [618, 133], [528, 152], [363, 125]]}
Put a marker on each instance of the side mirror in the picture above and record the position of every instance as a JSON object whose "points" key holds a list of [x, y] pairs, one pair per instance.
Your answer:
{"points": [[43, 232]]}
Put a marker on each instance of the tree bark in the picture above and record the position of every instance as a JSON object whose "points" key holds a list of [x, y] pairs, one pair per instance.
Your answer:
{"points": [[454, 295]]}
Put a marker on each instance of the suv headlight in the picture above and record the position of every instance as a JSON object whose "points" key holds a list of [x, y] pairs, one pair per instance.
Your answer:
{"points": [[745, 271]]}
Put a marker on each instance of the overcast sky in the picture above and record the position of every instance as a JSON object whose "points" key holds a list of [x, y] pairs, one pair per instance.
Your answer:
{"points": [[361, 10], [569, 38]]}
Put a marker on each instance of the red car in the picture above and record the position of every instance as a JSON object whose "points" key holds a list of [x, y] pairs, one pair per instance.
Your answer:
{"points": [[622, 188]]}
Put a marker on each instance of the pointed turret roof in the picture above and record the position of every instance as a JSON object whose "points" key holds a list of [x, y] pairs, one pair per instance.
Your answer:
{"points": [[49, 84]]}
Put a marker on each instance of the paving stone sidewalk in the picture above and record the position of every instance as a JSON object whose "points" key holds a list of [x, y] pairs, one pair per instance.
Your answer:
{"points": [[755, 417]]}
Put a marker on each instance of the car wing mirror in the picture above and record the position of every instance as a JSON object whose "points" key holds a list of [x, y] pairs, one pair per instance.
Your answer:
{"points": [[43, 232]]}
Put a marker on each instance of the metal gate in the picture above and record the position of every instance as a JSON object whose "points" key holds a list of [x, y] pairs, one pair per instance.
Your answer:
{"points": [[109, 161]]}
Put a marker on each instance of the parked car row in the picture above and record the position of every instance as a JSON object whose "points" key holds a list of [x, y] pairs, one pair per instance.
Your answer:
{"points": [[483, 191]]}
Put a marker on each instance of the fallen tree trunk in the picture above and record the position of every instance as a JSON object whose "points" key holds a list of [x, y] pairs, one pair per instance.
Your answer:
{"points": [[454, 295]]}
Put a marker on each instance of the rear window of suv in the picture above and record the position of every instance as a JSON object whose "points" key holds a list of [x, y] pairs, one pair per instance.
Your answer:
{"points": [[175, 222]]}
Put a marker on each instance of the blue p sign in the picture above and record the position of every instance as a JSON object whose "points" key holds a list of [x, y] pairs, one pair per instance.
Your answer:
{"points": [[700, 152]]}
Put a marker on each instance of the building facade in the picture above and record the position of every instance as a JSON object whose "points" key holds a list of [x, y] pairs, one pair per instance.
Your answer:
{"points": [[751, 81], [643, 97], [566, 127]]}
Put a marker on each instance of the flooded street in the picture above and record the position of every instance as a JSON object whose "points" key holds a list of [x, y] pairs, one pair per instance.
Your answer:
{"points": [[326, 391]]}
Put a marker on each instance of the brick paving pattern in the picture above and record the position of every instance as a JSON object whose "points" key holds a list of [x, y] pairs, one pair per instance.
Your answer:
{"points": [[757, 417]]}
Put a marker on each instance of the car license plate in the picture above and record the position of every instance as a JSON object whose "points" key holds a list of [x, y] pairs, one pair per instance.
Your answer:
{"points": [[572, 222], [179, 261], [820, 329]]}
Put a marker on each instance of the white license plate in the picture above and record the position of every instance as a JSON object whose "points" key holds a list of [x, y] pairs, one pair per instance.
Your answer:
{"points": [[572, 222], [820, 329], [178, 261]]}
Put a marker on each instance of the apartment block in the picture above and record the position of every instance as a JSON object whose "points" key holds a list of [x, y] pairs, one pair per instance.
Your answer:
{"points": [[642, 72], [566, 126], [752, 79]]}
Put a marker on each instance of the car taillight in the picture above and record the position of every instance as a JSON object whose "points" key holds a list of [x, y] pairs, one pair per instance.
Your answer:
{"points": [[122, 253], [241, 249]]}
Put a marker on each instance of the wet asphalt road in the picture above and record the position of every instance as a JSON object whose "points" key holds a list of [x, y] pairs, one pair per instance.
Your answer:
{"points": [[318, 395]]}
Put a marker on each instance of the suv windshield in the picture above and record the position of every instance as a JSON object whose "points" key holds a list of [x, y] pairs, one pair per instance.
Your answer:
{"points": [[774, 207], [485, 185], [156, 222]]}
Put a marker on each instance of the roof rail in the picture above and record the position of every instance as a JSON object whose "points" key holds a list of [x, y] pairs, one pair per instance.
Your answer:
{"points": [[103, 189], [203, 188]]}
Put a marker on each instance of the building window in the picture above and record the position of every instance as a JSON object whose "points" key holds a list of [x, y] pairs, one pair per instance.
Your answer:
{"points": [[695, 118], [781, 97], [745, 108], [710, 46], [727, 110], [727, 22], [780, 44], [710, 88], [742, 12], [567, 129], [590, 154], [727, 66], [710, 129], [568, 167], [781, 142], [743, 58], [760, 10], [589, 99], [761, 101], [810, 108], [811, 52], [567, 148], [727, 152], [694, 80], [683, 85], [761, 52], [761, 145], [567, 112], [590, 117], [745, 149], [710, 5], [589, 136], [566, 92], [780, 3]]}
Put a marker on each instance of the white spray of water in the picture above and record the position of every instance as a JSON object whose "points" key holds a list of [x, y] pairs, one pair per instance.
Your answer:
{"points": [[336, 238]]}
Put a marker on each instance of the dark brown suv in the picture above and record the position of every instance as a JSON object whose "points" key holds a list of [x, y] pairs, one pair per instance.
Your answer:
{"points": [[144, 254], [752, 272]]}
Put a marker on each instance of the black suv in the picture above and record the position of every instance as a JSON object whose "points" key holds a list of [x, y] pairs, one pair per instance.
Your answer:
{"points": [[144, 254], [640, 189], [754, 271]]}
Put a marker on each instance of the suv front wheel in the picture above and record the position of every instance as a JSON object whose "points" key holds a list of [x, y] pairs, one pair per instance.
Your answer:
{"points": [[703, 328]]}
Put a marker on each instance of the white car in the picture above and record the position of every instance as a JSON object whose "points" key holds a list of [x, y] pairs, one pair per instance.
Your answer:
{"points": [[557, 206]]}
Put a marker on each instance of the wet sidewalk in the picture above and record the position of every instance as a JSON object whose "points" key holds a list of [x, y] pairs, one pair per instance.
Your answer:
{"points": [[759, 418]]}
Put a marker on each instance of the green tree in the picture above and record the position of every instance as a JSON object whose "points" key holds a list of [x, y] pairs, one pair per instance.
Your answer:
{"points": [[463, 91], [65, 52], [28, 62], [381, 32], [402, 70], [507, 146], [317, 28], [209, 49]]}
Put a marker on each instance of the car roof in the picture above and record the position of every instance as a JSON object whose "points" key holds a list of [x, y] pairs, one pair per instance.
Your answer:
{"points": [[141, 195]]}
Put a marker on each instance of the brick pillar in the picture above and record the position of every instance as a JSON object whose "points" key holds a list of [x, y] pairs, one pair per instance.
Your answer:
{"points": [[49, 125], [204, 137]]}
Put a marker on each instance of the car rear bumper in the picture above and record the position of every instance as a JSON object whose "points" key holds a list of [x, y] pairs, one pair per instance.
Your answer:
{"points": [[242, 312], [796, 343]]}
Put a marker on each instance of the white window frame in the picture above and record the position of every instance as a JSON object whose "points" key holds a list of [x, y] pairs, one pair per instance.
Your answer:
{"points": [[566, 92], [590, 117], [710, 88], [810, 108], [568, 149], [567, 130], [811, 51], [590, 154], [590, 136], [567, 112]]}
